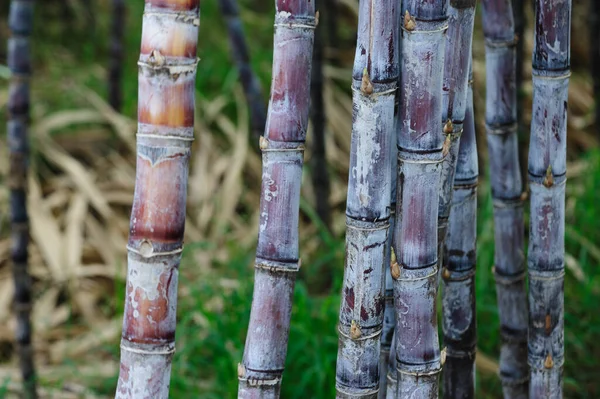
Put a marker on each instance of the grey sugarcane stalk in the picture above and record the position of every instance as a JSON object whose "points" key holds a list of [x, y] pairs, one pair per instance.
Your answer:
{"points": [[277, 258], [461, 18], [458, 299], [117, 54], [374, 83], [241, 56], [387, 360], [547, 180], [20, 21], [167, 73], [506, 184], [420, 155]]}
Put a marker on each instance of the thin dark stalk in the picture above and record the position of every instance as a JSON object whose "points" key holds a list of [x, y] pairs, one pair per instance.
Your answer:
{"points": [[547, 181], [241, 57], [115, 73], [320, 174], [20, 21], [594, 22], [523, 131]]}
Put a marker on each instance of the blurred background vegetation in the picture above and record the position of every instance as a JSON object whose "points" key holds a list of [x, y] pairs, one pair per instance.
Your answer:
{"points": [[81, 187]]}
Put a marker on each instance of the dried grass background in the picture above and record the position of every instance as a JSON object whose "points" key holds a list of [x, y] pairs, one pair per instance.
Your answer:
{"points": [[81, 185]]}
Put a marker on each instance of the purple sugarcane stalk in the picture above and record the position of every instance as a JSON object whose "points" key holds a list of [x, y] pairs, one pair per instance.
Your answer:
{"points": [[277, 261], [458, 299], [20, 21], [374, 84], [420, 156], [167, 74], [506, 183], [241, 56], [458, 302], [547, 180]]}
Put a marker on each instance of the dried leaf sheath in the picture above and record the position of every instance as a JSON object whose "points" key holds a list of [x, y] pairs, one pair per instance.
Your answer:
{"points": [[277, 259], [506, 183], [547, 179], [167, 71], [374, 83], [20, 21], [420, 147], [458, 299]]}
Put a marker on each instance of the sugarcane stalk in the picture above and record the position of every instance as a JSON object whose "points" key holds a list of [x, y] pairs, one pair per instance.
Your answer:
{"points": [[241, 57], [547, 180], [167, 72], [20, 21], [458, 299], [421, 152], [277, 259], [506, 184], [461, 18], [374, 84], [519, 16], [320, 174], [117, 53]]}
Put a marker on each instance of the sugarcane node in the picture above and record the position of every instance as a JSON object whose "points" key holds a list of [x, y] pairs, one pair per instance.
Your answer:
{"points": [[263, 143], [548, 324], [549, 179], [409, 22], [241, 370], [448, 127], [445, 273], [548, 363], [366, 87], [355, 332], [156, 58]]}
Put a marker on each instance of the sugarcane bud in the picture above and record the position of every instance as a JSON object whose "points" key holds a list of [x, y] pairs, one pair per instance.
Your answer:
{"points": [[409, 22], [263, 143], [548, 324], [448, 127], [366, 86], [549, 179], [394, 266], [316, 18], [241, 370], [445, 273], [443, 356], [549, 363], [355, 332], [156, 58], [524, 196], [146, 249]]}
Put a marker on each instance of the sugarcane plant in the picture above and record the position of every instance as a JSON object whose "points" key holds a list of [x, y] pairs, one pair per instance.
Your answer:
{"points": [[506, 184], [420, 154], [167, 74], [241, 56], [20, 21], [458, 299], [115, 70], [277, 259], [374, 83], [547, 180]]}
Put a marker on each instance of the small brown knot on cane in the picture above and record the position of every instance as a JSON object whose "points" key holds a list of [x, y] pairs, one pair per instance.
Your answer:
{"points": [[409, 22], [366, 87], [355, 332]]}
